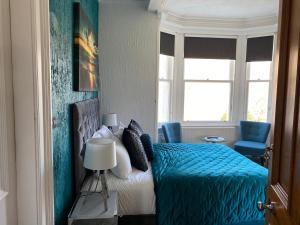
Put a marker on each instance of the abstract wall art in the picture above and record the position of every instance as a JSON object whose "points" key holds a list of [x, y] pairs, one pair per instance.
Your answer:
{"points": [[85, 52]]}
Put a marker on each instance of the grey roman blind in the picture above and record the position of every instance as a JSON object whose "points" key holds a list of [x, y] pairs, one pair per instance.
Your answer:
{"points": [[209, 48], [167, 44], [259, 49]]}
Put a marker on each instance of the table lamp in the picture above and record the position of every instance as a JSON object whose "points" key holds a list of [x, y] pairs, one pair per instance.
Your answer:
{"points": [[110, 120], [100, 155]]}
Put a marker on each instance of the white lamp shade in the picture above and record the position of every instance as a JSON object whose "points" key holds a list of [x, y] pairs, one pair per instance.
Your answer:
{"points": [[100, 154], [110, 119]]}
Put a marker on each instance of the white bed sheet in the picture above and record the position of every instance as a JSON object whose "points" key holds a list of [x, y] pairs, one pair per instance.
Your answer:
{"points": [[135, 195]]}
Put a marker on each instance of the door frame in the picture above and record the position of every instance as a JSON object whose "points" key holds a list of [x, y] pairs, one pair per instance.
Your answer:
{"points": [[4, 145], [30, 34], [276, 193]]}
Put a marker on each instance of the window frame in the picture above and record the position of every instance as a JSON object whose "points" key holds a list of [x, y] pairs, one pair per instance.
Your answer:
{"points": [[170, 98], [230, 109], [171, 82], [247, 75], [248, 81], [181, 80]]}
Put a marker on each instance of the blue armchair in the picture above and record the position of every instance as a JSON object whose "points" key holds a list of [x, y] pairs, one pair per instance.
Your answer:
{"points": [[254, 136], [172, 132]]}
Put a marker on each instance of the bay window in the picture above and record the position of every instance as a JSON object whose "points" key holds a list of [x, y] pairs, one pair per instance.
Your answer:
{"points": [[204, 89]]}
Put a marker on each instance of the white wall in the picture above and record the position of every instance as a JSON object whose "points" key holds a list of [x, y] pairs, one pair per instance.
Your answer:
{"points": [[128, 61], [8, 204]]}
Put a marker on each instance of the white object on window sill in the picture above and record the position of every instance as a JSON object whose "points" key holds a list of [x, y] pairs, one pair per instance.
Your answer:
{"points": [[208, 125]]}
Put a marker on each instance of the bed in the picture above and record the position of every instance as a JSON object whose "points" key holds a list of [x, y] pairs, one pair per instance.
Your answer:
{"points": [[207, 184], [188, 184]]}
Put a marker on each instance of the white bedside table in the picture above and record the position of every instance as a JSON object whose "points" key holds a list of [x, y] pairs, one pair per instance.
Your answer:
{"points": [[88, 209]]}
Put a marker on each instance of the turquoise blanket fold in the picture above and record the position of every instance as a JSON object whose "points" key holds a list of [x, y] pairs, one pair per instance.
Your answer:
{"points": [[206, 184]]}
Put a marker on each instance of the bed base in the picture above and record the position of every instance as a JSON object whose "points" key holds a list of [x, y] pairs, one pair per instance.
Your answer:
{"points": [[137, 220]]}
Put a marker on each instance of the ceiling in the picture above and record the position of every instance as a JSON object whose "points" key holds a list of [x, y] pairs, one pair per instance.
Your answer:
{"points": [[222, 9]]}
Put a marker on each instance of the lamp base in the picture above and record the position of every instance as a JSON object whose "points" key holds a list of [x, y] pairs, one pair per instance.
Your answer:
{"points": [[104, 191]]}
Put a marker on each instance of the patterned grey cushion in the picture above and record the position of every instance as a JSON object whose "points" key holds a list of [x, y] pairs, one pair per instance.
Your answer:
{"points": [[133, 125], [135, 149]]}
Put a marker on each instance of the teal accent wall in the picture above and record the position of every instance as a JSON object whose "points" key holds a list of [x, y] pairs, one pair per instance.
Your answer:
{"points": [[61, 20]]}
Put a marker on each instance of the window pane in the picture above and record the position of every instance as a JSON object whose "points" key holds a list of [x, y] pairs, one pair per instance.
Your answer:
{"points": [[166, 66], [208, 69], [164, 101], [258, 101], [259, 70], [206, 101]]}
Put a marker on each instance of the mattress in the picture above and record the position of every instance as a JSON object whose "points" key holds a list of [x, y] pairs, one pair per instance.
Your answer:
{"points": [[135, 194], [209, 184]]}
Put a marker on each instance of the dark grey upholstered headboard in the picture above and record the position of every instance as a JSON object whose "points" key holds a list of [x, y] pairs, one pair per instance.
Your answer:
{"points": [[86, 120]]}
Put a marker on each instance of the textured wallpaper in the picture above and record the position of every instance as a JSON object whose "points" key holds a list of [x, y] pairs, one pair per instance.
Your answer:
{"points": [[61, 19]]}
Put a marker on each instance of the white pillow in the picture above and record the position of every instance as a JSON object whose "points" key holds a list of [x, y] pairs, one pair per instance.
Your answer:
{"points": [[123, 168], [104, 132], [97, 134], [119, 134]]}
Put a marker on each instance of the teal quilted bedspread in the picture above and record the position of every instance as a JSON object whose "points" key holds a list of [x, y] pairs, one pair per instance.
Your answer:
{"points": [[206, 184]]}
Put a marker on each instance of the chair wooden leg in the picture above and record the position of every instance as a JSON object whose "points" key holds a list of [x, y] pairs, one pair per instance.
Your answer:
{"points": [[262, 161]]}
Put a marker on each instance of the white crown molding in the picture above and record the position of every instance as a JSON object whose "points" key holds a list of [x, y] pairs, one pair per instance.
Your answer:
{"points": [[229, 26], [220, 22]]}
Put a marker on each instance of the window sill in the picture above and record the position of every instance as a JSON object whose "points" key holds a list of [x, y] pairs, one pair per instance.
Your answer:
{"points": [[205, 125], [185, 125], [208, 126]]}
